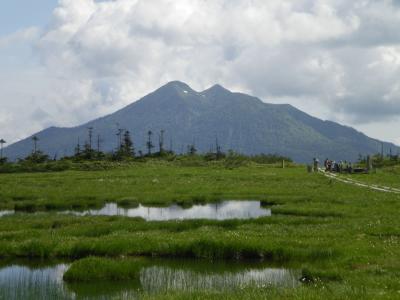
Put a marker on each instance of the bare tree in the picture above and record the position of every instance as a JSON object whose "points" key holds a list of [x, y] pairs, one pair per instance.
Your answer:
{"points": [[90, 133], [149, 143], [218, 148], [161, 141], [171, 145], [35, 140], [78, 148], [120, 136], [2, 142], [99, 141]]}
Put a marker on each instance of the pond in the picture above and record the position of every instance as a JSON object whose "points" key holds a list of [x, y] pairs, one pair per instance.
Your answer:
{"points": [[40, 281], [214, 211]]}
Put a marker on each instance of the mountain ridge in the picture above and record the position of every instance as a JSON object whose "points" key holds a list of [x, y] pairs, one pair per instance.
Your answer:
{"points": [[241, 122]]}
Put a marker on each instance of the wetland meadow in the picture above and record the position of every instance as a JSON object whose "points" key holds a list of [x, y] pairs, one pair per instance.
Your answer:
{"points": [[158, 229]]}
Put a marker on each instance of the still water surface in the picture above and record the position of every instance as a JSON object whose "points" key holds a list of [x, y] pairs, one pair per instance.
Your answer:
{"points": [[19, 281], [216, 211]]}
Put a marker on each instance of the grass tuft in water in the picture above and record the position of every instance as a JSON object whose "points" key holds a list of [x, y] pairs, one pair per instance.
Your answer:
{"points": [[103, 269]]}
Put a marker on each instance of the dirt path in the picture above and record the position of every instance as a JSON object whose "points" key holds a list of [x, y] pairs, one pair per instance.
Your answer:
{"points": [[375, 187]]}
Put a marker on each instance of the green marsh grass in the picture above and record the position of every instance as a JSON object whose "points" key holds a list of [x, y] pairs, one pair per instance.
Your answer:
{"points": [[345, 238], [102, 269]]}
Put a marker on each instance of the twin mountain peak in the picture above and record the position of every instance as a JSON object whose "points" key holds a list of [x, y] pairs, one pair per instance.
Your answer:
{"points": [[241, 122]]}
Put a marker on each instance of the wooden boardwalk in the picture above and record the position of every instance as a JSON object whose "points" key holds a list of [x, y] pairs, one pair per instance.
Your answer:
{"points": [[347, 180]]}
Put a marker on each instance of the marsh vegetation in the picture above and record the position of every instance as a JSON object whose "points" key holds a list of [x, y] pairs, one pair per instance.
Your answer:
{"points": [[342, 239]]}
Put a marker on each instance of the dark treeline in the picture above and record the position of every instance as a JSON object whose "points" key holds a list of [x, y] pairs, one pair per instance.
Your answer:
{"points": [[89, 154], [380, 160]]}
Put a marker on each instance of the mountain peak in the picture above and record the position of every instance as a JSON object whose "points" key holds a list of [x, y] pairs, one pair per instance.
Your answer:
{"points": [[178, 85], [216, 89], [181, 86]]}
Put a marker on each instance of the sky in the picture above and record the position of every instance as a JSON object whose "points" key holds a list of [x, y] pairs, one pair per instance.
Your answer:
{"points": [[63, 63], [19, 14]]}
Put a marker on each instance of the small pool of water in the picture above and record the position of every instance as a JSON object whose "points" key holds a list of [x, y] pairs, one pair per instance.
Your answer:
{"points": [[27, 282], [19, 281], [224, 210], [215, 211], [6, 212]]}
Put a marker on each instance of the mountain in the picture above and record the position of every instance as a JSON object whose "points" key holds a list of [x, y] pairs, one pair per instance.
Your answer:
{"points": [[240, 122]]}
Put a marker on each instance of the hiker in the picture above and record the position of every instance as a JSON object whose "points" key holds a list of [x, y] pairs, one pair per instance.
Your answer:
{"points": [[335, 166], [348, 167], [316, 162], [341, 166], [329, 166]]}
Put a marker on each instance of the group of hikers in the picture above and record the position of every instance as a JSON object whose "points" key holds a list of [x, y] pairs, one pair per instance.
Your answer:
{"points": [[338, 167]]}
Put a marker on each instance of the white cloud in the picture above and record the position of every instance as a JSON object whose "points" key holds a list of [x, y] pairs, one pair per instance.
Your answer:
{"points": [[20, 36], [334, 58]]}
